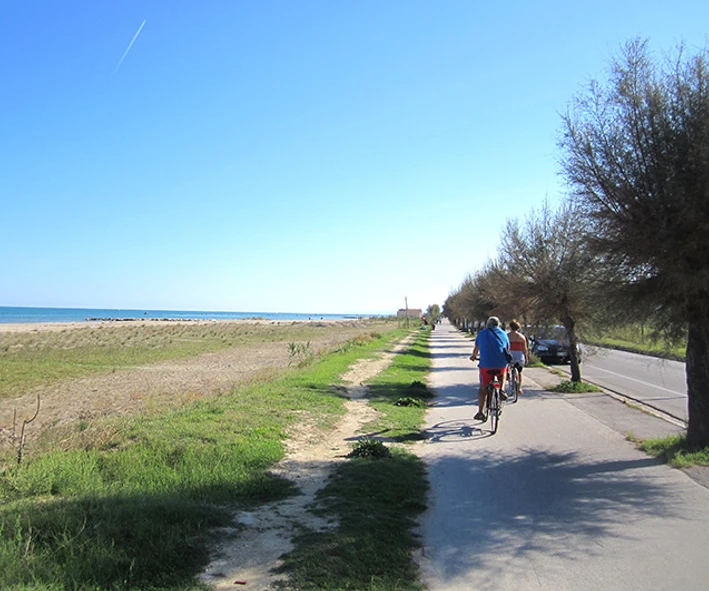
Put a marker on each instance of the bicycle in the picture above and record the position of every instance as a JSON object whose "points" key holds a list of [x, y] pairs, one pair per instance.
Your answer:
{"points": [[513, 382], [494, 398]]}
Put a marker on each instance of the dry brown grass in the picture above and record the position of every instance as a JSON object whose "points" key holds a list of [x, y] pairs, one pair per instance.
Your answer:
{"points": [[220, 356]]}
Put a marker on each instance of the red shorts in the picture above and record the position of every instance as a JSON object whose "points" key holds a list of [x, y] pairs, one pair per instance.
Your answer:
{"points": [[486, 378]]}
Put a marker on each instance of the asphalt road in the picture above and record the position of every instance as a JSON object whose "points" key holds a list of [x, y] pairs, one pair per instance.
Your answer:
{"points": [[558, 499], [660, 383]]}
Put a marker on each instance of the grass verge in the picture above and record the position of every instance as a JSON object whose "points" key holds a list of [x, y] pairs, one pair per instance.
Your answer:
{"points": [[654, 349], [400, 394], [374, 503], [135, 510], [569, 387], [534, 361], [373, 499], [675, 451]]}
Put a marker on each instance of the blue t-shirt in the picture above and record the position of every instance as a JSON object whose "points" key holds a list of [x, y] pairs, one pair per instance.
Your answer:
{"points": [[492, 343]]}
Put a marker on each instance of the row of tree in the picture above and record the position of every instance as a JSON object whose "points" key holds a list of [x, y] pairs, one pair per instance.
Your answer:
{"points": [[631, 241], [545, 273], [432, 314]]}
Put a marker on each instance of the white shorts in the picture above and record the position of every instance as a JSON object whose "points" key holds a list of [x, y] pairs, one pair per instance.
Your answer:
{"points": [[517, 357]]}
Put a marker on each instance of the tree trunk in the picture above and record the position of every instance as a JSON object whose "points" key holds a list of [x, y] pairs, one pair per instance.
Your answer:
{"points": [[570, 326], [698, 380]]}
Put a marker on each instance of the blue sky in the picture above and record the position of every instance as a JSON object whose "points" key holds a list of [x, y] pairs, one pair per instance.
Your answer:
{"points": [[286, 156]]}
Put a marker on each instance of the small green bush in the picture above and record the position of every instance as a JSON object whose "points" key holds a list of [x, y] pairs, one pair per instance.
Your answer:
{"points": [[370, 448], [569, 387], [409, 401]]}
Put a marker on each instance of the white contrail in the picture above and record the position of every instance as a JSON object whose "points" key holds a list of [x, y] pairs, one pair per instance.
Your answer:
{"points": [[125, 53]]}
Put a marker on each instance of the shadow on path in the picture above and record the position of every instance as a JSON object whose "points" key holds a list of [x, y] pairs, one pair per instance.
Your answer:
{"points": [[576, 504]]}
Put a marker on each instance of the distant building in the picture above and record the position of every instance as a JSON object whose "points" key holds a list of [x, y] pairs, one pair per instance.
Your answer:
{"points": [[410, 313]]}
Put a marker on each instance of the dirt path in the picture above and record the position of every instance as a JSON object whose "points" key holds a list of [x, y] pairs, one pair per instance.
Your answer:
{"points": [[246, 561]]}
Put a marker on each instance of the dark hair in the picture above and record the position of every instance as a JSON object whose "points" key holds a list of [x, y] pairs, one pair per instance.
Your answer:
{"points": [[514, 325]]}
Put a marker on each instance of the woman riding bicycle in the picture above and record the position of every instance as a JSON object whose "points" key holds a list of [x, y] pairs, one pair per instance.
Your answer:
{"points": [[518, 349]]}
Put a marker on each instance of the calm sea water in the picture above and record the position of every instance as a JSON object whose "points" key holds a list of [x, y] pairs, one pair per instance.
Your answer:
{"points": [[21, 315]]}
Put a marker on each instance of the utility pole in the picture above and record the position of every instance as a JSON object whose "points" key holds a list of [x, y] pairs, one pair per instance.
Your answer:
{"points": [[406, 304]]}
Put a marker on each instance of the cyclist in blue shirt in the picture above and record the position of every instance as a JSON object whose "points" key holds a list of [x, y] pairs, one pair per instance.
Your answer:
{"points": [[490, 345]]}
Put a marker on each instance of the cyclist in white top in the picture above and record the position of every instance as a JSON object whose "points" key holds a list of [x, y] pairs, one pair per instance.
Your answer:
{"points": [[519, 348]]}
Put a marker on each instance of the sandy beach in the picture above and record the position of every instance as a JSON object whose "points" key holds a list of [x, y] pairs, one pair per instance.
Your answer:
{"points": [[59, 326]]}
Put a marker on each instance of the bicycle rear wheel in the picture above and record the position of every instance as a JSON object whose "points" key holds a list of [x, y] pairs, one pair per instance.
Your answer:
{"points": [[513, 382], [493, 411]]}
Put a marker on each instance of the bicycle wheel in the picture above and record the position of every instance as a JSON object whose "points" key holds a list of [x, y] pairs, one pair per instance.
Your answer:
{"points": [[494, 408], [513, 388]]}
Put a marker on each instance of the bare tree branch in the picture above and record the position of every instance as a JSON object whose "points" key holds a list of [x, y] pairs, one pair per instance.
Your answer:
{"points": [[21, 445]]}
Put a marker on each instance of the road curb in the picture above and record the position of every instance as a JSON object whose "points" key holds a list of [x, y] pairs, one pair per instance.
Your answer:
{"points": [[643, 406]]}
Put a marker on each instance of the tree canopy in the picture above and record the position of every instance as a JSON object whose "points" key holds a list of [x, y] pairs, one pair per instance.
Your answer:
{"points": [[635, 153], [547, 273]]}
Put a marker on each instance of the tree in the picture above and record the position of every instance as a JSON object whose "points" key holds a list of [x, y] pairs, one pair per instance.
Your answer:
{"points": [[545, 272], [469, 302], [433, 313], [635, 152]]}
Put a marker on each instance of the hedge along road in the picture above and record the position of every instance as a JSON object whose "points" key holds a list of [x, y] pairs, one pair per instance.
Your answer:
{"points": [[558, 499]]}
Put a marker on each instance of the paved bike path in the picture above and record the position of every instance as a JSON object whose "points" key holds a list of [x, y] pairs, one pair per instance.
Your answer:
{"points": [[558, 499]]}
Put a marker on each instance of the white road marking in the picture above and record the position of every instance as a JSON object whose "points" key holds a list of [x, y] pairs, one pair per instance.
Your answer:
{"points": [[641, 382]]}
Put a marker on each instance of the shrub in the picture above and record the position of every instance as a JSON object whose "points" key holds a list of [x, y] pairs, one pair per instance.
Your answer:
{"points": [[569, 387], [409, 401], [369, 448]]}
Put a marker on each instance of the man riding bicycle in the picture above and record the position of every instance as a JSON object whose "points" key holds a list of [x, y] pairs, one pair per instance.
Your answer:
{"points": [[490, 344]]}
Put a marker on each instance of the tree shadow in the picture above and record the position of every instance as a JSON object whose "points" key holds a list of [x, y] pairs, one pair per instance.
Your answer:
{"points": [[383, 436], [462, 392], [123, 540], [465, 375], [538, 502], [453, 354], [393, 392], [417, 352]]}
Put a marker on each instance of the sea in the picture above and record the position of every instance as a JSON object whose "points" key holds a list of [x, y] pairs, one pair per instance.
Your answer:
{"points": [[11, 315]]}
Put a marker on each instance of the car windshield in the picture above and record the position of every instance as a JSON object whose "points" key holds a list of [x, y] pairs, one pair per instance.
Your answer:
{"points": [[557, 333]]}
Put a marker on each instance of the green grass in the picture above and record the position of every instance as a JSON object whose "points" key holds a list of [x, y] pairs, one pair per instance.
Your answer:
{"points": [[133, 508], [534, 361], [390, 390], [675, 451], [374, 503], [637, 339], [569, 387], [91, 542], [654, 349], [375, 497]]}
